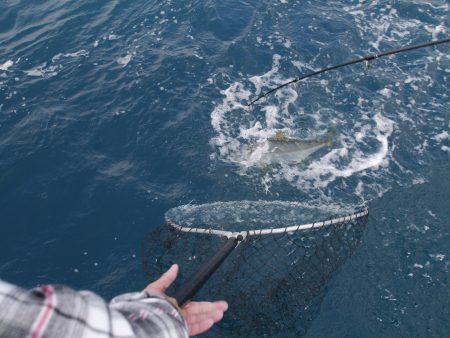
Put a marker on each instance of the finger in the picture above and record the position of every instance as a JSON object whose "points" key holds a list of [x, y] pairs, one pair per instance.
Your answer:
{"points": [[164, 281], [200, 327], [214, 316], [221, 304], [197, 308]]}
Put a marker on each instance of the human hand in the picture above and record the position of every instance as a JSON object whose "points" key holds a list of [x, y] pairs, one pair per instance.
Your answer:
{"points": [[199, 316]]}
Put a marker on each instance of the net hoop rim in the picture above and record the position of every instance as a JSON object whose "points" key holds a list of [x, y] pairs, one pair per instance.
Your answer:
{"points": [[363, 212]]}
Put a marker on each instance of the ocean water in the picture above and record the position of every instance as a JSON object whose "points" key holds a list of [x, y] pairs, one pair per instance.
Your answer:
{"points": [[113, 112]]}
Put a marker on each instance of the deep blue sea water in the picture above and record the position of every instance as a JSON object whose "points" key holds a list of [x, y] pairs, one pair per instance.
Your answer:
{"points": [[113, 112]]}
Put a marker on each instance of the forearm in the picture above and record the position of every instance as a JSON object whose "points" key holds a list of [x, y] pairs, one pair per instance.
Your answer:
{"points": [[58, 311]]}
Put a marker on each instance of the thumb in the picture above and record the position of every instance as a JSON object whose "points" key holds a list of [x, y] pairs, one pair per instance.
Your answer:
{"points": [[160, 285]]}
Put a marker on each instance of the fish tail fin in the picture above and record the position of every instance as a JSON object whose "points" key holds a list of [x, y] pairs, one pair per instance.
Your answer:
{"points": [[331, 135]]}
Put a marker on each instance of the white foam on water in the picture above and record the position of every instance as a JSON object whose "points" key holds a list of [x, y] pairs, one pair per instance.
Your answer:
{"points": [[302, 66], [378, 22], [47, 71], [436, 31], [241, 138], [380, 139], [77, 54], [326, 169], [438, 256], [124, 60], [44, 71], [442, 136], [242, 135], [386, 92], [271, 116], [7, 64]]}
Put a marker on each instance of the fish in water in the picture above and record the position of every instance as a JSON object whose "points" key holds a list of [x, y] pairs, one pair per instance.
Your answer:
{"points": [[283, 149]]}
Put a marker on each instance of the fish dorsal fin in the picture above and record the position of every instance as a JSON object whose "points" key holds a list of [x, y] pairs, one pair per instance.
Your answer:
{"points": [[280, 136]]}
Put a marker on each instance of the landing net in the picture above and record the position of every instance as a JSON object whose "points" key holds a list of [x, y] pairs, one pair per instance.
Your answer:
{"points": [[274, 279]]}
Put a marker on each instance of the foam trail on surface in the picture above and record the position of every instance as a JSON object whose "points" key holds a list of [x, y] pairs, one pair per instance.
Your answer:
{"points": [[368, 110], [6, 65]]}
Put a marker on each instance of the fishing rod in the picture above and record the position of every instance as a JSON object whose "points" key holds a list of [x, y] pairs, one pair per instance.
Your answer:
{"points": [[369, 57]]}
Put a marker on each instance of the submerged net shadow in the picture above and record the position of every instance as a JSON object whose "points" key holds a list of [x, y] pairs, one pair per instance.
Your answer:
{"points": [[272, 280]]}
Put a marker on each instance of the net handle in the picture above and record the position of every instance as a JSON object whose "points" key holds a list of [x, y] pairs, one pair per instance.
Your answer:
{"points": [[188, 290]]}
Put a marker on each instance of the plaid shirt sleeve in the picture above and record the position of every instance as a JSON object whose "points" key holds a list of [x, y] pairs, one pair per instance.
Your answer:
{"points": [[58, 311]]}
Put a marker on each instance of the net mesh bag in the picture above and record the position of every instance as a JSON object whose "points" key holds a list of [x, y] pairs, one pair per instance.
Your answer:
{"points": [[273, 280]]}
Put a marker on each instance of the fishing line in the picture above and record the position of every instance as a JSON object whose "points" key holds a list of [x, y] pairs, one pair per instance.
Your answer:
{"points": [[367, 58]]}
